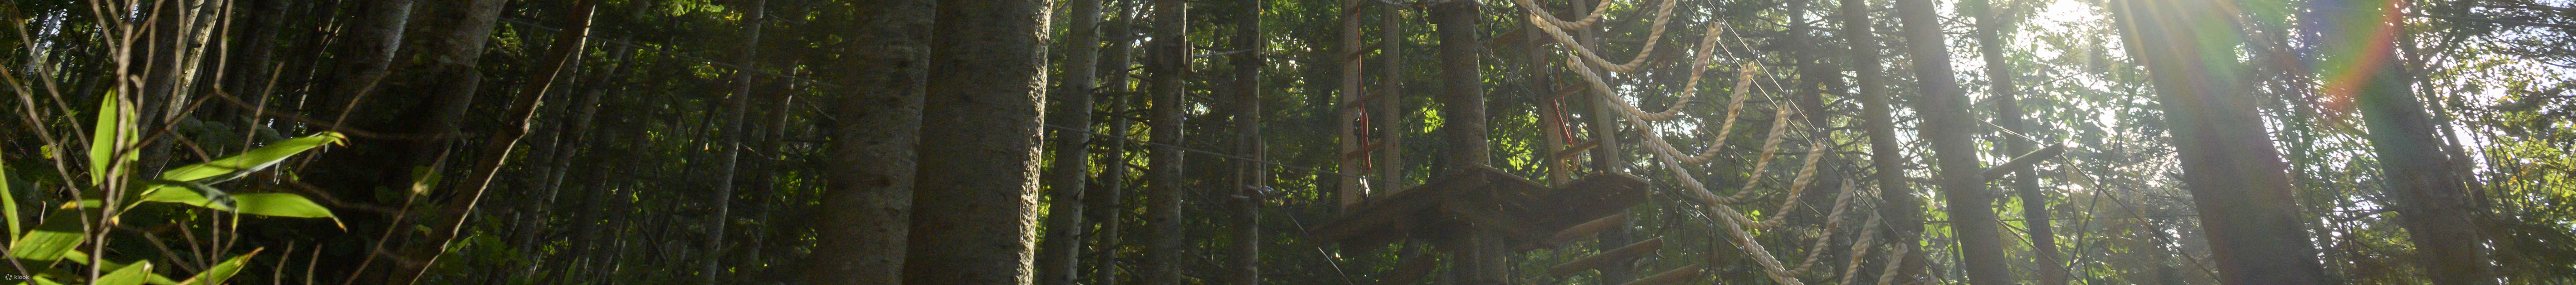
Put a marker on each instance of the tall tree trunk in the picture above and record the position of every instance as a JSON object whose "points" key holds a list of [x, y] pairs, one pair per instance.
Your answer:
{"points": [[2237, 180], [1462, 102], [1108, 202], [1948, 125], [1991, 26], [1887, 160], [1169, 64], [1248, 118], [976, 220], [710, 268], [867, 201], [1057, 259], [2431, 198], [1479, 259], [364, 53], [1390, 101]]}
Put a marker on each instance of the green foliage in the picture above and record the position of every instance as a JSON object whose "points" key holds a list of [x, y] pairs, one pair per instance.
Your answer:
{"points": [[134, 274], [222, 271], [109, 141], [59, 232]]}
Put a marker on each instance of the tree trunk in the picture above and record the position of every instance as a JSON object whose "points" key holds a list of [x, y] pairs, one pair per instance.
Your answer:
{"points": [[1887, 161], [976, 203], [1073, 147], [1056, 262], [1249, 116], [867, 201], [2236, 178], [2008, 114], [2431, 197], [1479, 260], [1108, 202], [1947, 124], [362, 57], [1462, 102], [1390, 101], [711, 267], [1169, 62]]}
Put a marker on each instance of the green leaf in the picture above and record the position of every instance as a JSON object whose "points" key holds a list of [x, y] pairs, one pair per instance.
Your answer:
{"points": [[60, 232], [8, 201], [184, 192], [281, 205], [115, 131], [136, 274], [76, 256], [229, 168], [39, 280], [221, 271]]}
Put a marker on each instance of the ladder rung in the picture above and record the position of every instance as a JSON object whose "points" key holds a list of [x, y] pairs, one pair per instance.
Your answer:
{"points": [[1587, 229]]}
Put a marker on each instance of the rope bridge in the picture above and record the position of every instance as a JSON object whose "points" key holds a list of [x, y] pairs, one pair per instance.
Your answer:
{"points": [[1676, 162]]}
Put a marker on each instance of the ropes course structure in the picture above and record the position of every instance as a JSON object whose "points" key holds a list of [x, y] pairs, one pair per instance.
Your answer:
{"points": [[1736, 224]]}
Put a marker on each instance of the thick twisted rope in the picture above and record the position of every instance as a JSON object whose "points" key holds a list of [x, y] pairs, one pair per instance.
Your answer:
{"points": [[1673, 160]]}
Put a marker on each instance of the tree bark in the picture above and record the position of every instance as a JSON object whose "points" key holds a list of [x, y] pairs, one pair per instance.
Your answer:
{"points": [[1991, 27], [1390, 101], [1887, 160], [1108, 202], [2237, 180], [364, 54], [1169, 65], [2431, 197], [1462, 102], [867, 201], [1479, 259], [1057, 260], [976, 206], [1947, 124], [1249, 116], [711, 267]]}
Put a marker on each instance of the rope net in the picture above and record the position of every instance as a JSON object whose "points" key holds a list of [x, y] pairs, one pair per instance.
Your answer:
{"points": [[1736, 224]]}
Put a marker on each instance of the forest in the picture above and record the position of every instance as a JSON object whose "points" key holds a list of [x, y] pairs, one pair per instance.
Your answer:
{"points": [[1174, 142]]}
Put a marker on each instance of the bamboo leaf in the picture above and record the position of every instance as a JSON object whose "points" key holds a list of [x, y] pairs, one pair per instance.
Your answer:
{"points": [[114, 132], [8, 202], [78, 257], [60, 232], [185, 192], [281, 205], [39, 280], [135, 274], [222, 271], [236, 166]]}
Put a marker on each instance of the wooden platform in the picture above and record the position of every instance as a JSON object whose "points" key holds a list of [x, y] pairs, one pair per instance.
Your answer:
{"points": [[1450, 207]]}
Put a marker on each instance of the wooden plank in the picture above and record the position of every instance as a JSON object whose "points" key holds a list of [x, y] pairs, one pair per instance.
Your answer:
{"points": [[1586, 229], [1411, 212], [1489, 219], [1584, 200], [1684, 275], [1607, 258]]}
